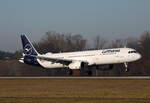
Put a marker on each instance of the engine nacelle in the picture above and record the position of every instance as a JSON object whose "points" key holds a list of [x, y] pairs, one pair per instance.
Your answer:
{"points": [[75, 65]]}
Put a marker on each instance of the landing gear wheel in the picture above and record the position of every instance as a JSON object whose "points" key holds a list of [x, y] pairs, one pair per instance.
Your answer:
{"points": [[69, 72], [86, 73], [127, 69], [89, 73], [82, 72]]}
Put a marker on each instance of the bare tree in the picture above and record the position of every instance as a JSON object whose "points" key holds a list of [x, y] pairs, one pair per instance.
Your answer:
{"points": [[99, 42], [132, 42], [118, 43], [60, 42]]}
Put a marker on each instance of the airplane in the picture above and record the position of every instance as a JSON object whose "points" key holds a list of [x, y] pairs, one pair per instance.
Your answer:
{"points": [[77, 60]]}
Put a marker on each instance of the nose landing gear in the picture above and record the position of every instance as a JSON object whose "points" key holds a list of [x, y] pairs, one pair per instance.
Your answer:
{"points": [[126, 66]]}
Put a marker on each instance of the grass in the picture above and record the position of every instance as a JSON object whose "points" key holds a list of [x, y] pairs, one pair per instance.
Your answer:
{"points": [[74, 91]]}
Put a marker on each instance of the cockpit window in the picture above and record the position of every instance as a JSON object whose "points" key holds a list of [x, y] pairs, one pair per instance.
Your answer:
{"points": [[132, 52]]}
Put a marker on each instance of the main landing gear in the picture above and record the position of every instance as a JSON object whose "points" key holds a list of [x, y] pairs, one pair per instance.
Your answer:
{"points": [[86, 73], [80, 72], [69, 72]]}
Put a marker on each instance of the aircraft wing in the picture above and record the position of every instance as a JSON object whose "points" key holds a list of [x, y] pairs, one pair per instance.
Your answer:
{"points": [[56, 60]]}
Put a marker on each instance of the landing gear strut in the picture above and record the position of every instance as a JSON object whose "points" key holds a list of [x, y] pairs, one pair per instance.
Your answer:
{"points": [[126, 66], [86, 72]]}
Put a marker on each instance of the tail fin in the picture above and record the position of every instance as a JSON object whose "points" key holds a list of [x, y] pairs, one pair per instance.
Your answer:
{"points": [[28, 48]]}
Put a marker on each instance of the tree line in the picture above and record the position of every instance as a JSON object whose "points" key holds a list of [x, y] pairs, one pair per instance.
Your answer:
{"points": [[56, 42]]}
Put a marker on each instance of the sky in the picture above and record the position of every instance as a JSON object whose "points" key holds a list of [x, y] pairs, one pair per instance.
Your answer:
{"points": [[108, 18]]}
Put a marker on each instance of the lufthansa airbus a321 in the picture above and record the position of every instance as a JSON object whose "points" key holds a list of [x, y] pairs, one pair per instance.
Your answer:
{"points": [[77, 60]]}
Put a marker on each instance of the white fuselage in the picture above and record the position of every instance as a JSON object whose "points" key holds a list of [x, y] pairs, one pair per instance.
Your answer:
{"points": [[93, 57]]}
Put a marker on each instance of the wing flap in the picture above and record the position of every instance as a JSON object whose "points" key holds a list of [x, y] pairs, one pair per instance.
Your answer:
{"points": [[54, 60], [57, 60]]}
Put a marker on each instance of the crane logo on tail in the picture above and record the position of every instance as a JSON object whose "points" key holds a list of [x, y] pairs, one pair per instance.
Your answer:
{"points": [[28, 49]]}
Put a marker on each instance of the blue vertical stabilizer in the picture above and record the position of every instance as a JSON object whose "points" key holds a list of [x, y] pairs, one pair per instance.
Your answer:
{"points": [[29, 51]]}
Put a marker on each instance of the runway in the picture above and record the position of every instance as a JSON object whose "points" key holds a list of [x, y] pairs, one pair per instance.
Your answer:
{"points": [[75, 89], [77, 98], [129, 77]]}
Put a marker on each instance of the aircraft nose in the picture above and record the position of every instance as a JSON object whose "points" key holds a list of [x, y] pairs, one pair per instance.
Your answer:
{"points": [[139, 56]]}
